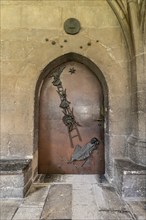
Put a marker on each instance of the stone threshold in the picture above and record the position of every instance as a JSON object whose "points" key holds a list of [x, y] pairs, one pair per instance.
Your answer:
{"points": [[14, 166]]}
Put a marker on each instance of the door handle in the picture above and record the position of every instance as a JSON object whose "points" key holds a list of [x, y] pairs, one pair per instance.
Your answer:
{"points": [[100, 121]]}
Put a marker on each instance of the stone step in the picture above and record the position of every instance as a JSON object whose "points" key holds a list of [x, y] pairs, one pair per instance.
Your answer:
{"points": [[16, 178], [130, 179]]}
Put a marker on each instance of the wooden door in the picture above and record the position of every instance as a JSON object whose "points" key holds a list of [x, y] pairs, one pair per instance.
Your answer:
{"points": [[83, 94]]}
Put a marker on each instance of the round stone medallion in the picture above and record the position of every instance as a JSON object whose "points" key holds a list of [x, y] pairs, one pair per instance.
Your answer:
{"points": [[72, 26]]}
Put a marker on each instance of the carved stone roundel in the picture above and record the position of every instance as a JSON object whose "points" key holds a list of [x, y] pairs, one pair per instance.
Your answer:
{"points": [[72, 26]]}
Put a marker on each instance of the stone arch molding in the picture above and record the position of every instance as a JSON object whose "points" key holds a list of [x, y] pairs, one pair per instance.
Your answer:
{"points": [[90, 65], [109, 67], [78, 58], [131, 15], [93, 67]]}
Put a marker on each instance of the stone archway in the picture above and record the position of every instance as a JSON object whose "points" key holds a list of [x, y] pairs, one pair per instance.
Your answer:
{"points": [[73, 57]]}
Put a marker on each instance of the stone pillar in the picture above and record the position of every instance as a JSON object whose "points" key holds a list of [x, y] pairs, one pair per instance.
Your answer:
{"points": [[139, 142]]}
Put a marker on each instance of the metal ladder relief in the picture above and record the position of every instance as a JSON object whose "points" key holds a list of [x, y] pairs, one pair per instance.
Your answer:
{"points": [[68, 118]]}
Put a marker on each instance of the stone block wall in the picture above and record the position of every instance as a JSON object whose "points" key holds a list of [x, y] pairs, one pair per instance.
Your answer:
{"points": [[130, 180], [28, 32]]}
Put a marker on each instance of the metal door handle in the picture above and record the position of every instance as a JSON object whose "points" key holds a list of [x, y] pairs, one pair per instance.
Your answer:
{"points": [[100, 119]]}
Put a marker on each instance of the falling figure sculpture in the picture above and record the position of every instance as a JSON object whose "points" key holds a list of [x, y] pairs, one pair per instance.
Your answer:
{"points": [[83, 153]]}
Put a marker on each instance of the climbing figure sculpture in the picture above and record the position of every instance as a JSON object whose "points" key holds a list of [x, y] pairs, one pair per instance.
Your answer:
{"points": [[56, 75], [64, 102], [68, 118]]}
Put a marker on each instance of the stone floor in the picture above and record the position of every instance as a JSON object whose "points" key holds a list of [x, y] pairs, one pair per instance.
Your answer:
{"points": [[73, 197]]}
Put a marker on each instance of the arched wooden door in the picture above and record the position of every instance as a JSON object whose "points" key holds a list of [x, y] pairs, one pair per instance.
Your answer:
{"points": [[81, 91]]}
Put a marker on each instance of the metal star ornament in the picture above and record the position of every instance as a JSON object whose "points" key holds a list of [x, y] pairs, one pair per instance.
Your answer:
{"points": [[72, 70]]}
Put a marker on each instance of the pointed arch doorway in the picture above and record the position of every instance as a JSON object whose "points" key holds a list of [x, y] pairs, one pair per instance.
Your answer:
{"points": [[84, 95]]}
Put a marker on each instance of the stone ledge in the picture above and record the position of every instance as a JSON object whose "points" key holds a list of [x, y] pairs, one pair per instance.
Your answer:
{"points": [[16, 178], [14, 166], [129, 167]]}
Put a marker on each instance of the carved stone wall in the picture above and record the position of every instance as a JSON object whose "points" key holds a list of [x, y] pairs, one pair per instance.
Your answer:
{"points": [[32, 36], [131, 15]]}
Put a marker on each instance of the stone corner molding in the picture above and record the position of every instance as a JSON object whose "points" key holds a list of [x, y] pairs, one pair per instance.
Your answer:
{"points": [[120, 10], [142, 14], [131, 14]]}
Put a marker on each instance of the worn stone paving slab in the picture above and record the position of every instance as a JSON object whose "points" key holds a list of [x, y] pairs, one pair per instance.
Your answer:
{"points": [[36, 197], [84, 214], [139, 209], [81, 179], [58, 203], [28, 213], [95, 201], [83, 203], [113, 215], [76, 197], [8, 208], [107, 199], [82, 197], [84, 211], [78, 186]]}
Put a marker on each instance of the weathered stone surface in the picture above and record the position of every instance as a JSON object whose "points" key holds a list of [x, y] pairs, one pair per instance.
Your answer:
{"points": [[11, 192], [100, 35], [15, 178], [14, 166], [107, 199], [137, 149], [84, 212], [89, 200], [130, 179], [114, 215], [118, 143], [134, 193], [142, 124], [139, 209], [11, 181], [28, 213], [8, 208], [94, 200], [36, 16], [14, 18], [36, 197], [49, 178], [16, 145], [78, 180], [28, 29]]}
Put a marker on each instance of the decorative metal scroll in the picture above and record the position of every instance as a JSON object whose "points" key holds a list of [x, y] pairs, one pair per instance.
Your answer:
{"points": [[68, 118], [83, 153]]}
